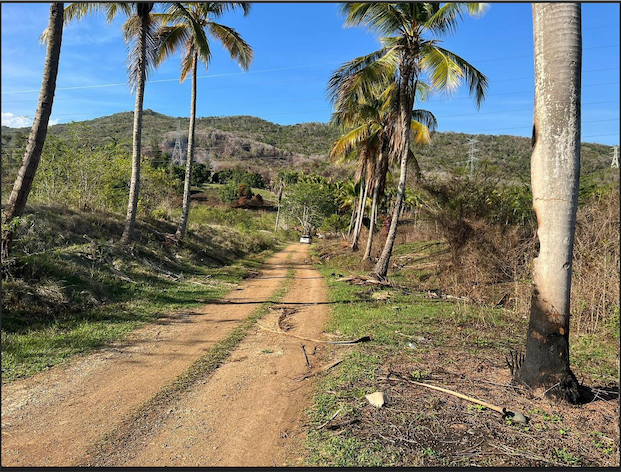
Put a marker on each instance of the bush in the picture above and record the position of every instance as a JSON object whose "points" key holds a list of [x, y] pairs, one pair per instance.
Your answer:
{"points": [[335, 223], [88, 178], [201, 173]]}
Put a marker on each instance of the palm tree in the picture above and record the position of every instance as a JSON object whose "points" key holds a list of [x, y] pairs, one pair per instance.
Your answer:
{"points": [[185, 26], [32, 155], [360, 142], [406, 50], [555, 170], [140, 31], [372, 120]]}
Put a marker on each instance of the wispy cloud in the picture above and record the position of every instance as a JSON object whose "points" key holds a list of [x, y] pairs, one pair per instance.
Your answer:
{"points": [[15, 121]]}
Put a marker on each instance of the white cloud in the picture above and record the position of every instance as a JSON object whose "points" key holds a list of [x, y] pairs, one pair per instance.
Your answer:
{"points": [[13, 121], [23, 121]]}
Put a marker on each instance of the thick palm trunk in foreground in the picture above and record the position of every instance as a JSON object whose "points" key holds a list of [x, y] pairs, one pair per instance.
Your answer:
{"points": [[555, 170], [190, 157], [23, 183]]}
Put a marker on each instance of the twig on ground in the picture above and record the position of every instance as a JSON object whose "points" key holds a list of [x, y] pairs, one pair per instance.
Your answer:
{"points": [[305, 356], [542, 394], [331, 418], [513, 452], [318, 371]]}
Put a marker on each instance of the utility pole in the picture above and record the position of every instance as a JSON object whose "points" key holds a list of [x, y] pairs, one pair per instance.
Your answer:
{"points": [[177, 155], [615, 159], [472, 158]]}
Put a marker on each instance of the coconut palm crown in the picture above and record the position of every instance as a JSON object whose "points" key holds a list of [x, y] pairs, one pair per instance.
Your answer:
{"points": [[410, 53]]}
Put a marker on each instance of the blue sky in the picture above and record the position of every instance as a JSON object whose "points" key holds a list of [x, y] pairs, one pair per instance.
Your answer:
{"points": [[296, 48]]}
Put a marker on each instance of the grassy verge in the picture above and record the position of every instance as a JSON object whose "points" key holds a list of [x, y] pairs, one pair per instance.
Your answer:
{"points": [[70, 288], [459, 346]]}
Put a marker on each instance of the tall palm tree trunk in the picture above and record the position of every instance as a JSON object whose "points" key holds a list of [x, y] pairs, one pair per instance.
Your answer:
{"points": [[555, 171], [353, 215], [381, 267], [132, 205], [367, 251], [190, 157], [32, 155], [363, 202], [405, 114]]}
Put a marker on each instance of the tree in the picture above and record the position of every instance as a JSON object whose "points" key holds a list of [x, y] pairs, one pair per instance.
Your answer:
{"points": [[372, 119], [190, 22], [308, 203], [406, 49], [140, 32], [555, 171], [23, 183]]}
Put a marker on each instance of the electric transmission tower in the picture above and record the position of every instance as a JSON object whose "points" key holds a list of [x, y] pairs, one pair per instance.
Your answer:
{"points": [[177, 155], [615, 159], [472, 158]]}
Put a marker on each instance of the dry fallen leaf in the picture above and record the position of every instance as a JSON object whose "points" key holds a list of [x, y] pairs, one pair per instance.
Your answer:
{"points": [[375, 399]]}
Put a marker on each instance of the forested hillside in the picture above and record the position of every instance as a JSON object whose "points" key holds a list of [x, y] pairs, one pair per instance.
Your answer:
{"points": [[223, 140]]}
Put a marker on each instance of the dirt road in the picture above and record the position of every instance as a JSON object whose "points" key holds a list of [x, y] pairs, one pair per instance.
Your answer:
{"points": [[246, 413]]}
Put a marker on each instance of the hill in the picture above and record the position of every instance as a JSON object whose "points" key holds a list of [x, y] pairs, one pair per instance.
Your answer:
{"points": [[259, 144]]}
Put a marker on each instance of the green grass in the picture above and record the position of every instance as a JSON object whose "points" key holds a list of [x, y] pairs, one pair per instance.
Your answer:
{"points": [[392, 323], [409, 329]]}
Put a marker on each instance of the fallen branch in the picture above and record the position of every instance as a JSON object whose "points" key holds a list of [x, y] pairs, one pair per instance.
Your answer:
{"points": [[117, 272], [319, 341], [514, 416]]}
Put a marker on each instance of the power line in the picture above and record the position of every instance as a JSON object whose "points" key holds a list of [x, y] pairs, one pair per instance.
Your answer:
{"points": [[428, 101], [266, 70], [493, 81]]}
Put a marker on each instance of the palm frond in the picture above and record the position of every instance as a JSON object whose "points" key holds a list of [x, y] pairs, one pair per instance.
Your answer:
{"points": [[360, 76], [171, 39], [420, 133], [346, 143], [425, 118], [444, 19], [217, 9], [476, 80], [383, 18], [444, 74], [78, 10], [239, 49], [188, 60], [136, 29]]}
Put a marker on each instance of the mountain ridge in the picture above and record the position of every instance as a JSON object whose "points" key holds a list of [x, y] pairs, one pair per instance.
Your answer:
{"points": [[242, 139]]}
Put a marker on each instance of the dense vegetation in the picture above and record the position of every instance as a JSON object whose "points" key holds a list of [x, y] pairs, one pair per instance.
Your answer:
{"points": [[261, 146]]}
